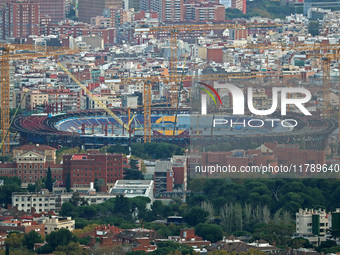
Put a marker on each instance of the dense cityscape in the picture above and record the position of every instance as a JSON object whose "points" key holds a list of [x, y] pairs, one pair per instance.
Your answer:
{"points": [[170, 127]]}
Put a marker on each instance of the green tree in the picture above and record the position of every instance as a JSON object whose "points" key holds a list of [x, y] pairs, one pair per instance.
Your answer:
{"points": [[62, 237], [71, 248], [122, 207], [14, 240], [31, 238], [49, 184], [299, 242], [195, 216], [76, 200], [210, 232]]}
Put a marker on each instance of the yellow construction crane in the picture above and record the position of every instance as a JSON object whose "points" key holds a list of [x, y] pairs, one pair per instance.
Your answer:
{"points": [[175, 30], [90, 94], [148, 81], [17, 52], [327, 53]]}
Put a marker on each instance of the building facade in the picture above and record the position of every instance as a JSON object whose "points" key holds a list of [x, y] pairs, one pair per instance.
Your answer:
{"points": [[20, 19], [89, 8], [99, 168], [56, 9]]}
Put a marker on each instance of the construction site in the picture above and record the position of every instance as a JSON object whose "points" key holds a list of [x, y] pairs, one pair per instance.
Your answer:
{"points": [[164, 105]]}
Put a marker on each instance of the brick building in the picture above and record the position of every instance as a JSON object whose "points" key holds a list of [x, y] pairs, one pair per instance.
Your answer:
{"points": [[20, 19], [267, 154], [22, 226], [31, 162], [56, 9], [100, 168]]}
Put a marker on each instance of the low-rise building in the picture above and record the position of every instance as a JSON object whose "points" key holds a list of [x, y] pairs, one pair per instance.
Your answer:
{"points": [[45, 201], [22, 226], [133, 188], [54, 223]]}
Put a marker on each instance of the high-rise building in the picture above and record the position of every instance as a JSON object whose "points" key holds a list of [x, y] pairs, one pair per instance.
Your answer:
{"points": [[203, 12], [90, 8], [235, 4], [132, 4], [20, 19], [54, 8], [168, 10]]}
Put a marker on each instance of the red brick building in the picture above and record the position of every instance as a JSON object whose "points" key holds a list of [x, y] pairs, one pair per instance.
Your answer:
{"points": [[20, 19], [22, 226], [66, 29], [108, 34], [31, 162], [215, 55], [92, 167]]}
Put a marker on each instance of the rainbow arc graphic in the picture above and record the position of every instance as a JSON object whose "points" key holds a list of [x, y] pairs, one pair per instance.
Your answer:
{"points": [[204, 99]]}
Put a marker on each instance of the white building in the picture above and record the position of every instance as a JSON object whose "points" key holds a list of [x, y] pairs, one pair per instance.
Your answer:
{"points": [[45, 201], [312, 224], [133, 188]]}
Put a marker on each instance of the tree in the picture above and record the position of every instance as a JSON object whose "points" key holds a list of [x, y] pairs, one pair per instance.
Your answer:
{"points": [[133, 174], [49, 184], [210, 232], [299, 242], [67, 209], [31, 238], [72, 248], [76, 200], [14, 240], [313, 28], [196, 216], [62, 237], [122, 207]]}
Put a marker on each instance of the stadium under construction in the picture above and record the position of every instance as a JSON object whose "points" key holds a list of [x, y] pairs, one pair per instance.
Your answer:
{"points": [[95, 128]]}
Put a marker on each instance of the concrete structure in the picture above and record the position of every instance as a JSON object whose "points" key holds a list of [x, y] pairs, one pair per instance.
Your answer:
{"points": [[163, 178], [45, 201], [54, 223], [307, 4], [134, 188]]}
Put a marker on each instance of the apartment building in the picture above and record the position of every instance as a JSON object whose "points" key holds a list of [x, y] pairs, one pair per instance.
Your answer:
{"points": [[204, 12], [313, 224], [168, 10], [56, 9], [89, 8], [20, 19], [45, 201]]}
